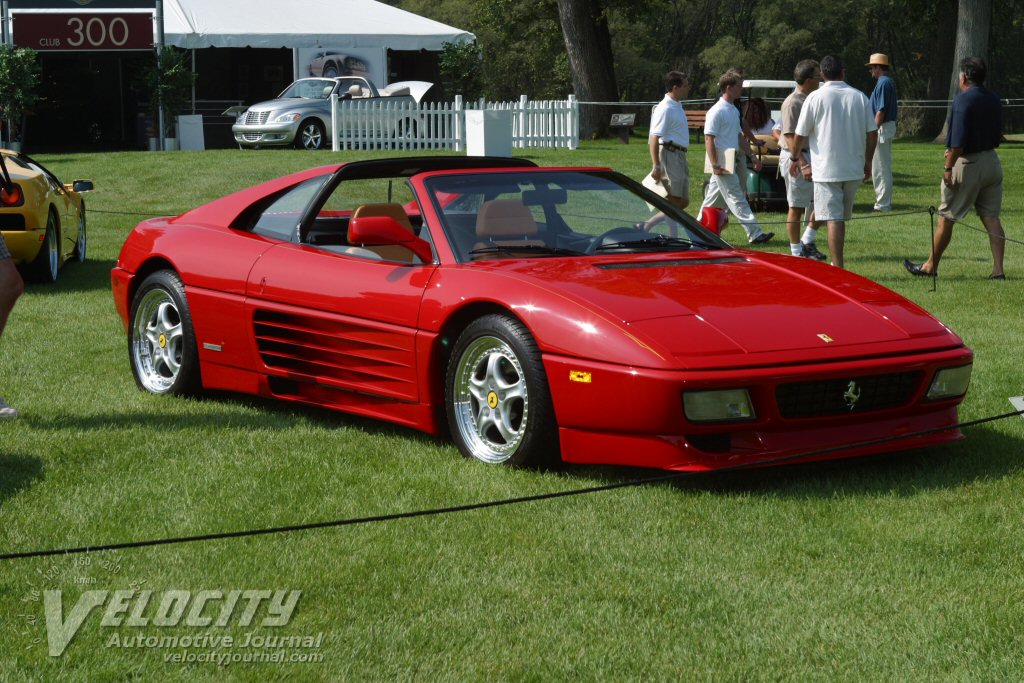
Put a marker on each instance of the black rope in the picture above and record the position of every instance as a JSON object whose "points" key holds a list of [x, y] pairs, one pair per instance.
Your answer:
{"points": [[134, 213], [870, 217], [486, 504]]}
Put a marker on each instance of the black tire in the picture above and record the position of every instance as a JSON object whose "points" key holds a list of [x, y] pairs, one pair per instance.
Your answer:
{"points": [[311, 135], [81, 244], [161, 340], [497, 402], [330, 70], [46, 265]]}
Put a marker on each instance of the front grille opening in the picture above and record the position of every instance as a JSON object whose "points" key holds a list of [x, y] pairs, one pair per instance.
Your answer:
{"points": [[711, 443], [845, 395]]}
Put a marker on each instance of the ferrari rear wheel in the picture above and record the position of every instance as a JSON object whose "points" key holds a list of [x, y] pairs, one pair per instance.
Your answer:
{"points": [[496, 395], [46, 265], [162, 343], [311, 135], [81, 242]]}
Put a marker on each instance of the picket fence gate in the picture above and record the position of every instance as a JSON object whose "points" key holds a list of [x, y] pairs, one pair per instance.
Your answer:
{"points": [[383, 124]]}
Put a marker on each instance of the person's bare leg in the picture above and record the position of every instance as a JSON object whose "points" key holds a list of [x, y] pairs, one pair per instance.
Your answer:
{"points": [[836, 238], [997, 241], [11, 287], [943, 236], [793, 223]]}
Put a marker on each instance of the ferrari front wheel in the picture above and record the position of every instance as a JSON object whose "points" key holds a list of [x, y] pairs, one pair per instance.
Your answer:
{"points": [[162, 343], [497, 399]]}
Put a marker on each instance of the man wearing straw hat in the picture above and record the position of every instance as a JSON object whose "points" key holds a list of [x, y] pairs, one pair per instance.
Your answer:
{"points": [[883, 104]]}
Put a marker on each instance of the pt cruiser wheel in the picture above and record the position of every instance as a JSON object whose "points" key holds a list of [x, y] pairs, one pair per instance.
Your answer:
{"points": [[496, 395], [311, 135], [162, 344]]}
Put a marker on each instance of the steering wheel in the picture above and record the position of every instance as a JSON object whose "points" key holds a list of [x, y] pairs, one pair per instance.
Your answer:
{"points": [[621, 230]]}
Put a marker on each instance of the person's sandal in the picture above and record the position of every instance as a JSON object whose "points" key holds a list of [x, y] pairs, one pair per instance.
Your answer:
{"points": [[915, 269]]}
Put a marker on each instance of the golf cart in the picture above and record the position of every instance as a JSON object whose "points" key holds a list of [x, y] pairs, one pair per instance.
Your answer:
{"points": [[766, 189]]}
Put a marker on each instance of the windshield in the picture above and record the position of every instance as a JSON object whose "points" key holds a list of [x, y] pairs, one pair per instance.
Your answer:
{"points": [[558, 213], [310, 89]]}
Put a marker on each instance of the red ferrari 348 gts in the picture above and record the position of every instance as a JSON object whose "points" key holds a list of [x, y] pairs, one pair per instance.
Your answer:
{"points": [[533, 313]]}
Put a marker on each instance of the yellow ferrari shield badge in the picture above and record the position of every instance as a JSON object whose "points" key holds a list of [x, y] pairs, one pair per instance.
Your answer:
{"points": [[163, 341], [580, 376], [492, 400]]}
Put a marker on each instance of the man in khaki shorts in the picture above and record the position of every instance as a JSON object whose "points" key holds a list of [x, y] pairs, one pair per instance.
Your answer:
{"points": [[972, 175], [837, 123], [669, 138], [799, 192]]}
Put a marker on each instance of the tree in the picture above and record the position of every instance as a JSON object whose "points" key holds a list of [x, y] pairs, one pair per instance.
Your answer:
{"points": [[588, 44], [461, 70], [973, 24], [19, 76]]}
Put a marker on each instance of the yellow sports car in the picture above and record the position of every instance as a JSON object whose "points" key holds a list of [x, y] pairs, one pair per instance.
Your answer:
{"points": [[42, 219]]}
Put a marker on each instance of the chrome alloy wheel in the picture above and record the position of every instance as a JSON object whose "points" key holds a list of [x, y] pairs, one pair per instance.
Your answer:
{"points": [[157, 341], [491, 402], [52, 249]]}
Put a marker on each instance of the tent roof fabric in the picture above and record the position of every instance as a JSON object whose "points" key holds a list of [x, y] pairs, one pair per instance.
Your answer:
{"points": [[302, 23]]}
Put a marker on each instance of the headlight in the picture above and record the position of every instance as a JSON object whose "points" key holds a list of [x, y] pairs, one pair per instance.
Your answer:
{"points": [[289, 116], [719, 405], [950, 382]]}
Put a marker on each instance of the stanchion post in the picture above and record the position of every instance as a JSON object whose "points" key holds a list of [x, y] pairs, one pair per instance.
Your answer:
{"points": [[931, 249]]}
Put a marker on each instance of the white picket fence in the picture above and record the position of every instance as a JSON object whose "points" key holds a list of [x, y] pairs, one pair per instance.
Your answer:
{"points": [[384, 124]]}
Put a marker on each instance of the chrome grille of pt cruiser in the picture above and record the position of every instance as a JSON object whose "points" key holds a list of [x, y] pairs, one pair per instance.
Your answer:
{"points": [[256, 118]]}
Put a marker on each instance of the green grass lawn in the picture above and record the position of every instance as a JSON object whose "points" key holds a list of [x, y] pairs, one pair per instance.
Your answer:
{"points": [[908, 566]]}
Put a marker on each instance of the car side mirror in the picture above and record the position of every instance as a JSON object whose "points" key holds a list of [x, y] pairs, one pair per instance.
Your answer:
{"points": [[82, 186], [378, 231]]}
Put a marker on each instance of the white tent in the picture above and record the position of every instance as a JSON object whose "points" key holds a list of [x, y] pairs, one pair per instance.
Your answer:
{"points": [[302, 24]]}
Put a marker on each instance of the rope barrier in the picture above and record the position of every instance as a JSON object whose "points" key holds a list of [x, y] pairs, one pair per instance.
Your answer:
{"points": [[134, 213], [487, 504]]}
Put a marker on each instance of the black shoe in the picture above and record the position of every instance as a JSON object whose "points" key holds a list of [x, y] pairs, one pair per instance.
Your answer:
{"points": [[811, 251], [915, 269], [762, 238]]}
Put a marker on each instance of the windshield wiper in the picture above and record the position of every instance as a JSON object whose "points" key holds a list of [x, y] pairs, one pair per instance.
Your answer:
{"points": [[531, 248], [652, 242]]}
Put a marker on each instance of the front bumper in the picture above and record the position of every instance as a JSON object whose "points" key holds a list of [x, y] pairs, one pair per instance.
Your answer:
{"points": [[266, 135], [635, 416]]}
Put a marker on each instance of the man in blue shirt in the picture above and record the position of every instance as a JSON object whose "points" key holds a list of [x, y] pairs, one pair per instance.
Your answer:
{"points": [[883, 104], [972, 175]]}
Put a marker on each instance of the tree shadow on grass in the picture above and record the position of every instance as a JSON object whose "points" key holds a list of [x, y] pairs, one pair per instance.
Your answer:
{"points": [[17, 473], [88, 276]]}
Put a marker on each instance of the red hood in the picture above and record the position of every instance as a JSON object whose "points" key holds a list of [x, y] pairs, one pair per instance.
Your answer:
{"points": [[741, 308]]}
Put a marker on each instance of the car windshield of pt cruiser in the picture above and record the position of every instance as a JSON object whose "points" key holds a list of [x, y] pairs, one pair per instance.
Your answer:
{"points": [[309, 89], [559, 213]]}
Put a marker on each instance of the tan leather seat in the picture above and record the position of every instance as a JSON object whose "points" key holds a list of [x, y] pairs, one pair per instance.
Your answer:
{"points": [[389, 252], [506, 223]]}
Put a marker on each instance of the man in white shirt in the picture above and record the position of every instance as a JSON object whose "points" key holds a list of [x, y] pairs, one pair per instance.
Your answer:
{"points": [[799, 192], [837, 123], [669, 138], [722, 133]]}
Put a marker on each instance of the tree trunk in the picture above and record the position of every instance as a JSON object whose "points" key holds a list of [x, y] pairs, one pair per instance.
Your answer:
{"points": [[941, 56], [588, 44], [974, 20]]}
